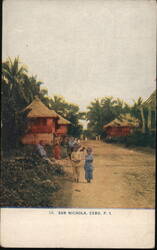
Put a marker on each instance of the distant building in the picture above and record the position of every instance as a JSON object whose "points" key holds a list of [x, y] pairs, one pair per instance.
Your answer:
{"points": [[122, 126], [149, 121]]}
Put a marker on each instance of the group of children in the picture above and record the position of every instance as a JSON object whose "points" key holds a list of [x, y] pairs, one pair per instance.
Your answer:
{"points": [[72, 149], [78, 155], [62, 146]]}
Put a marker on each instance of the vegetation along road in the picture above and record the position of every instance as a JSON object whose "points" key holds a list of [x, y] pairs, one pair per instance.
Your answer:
{"points": [[123, 178]]}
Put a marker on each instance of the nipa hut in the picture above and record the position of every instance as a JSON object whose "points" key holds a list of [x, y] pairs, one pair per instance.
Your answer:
{"points": [[122, 126], [62, 126], [42, 123], [150, 106]]}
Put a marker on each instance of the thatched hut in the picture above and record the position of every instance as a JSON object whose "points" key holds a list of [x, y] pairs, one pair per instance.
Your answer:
{"points": [[41, 125], [62, 126], [122, 126], [150, 106]]}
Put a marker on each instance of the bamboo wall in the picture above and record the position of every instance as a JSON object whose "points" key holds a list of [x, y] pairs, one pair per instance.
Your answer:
{"points": [[118, 131], [34, 138], [62, 130]]}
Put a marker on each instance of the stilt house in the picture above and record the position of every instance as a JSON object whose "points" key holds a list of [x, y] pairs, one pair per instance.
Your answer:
{"points": [[122, 126], [62, 126], [41, 125]]}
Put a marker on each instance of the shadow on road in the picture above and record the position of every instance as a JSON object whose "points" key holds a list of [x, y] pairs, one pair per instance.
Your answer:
{"points": [[62, 198]]}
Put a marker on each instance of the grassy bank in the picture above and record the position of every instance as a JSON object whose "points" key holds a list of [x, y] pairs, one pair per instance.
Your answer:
{"points": [[28, 181]]}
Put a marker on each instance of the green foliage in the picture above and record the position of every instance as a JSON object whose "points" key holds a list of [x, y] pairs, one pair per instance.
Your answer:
{"points": [[89, 134], [28, 182], [103, 111], [17, 91], [70, 112], [138, 139], [141, 139]]}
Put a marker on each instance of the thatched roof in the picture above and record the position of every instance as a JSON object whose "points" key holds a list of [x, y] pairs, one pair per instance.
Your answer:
{"points": [[123, 121], [151, 101], [38, 109], [63, 121]]}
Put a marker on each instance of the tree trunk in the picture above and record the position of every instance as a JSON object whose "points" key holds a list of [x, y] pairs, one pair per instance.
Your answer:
{"points": [[149, 118], [143, 120]]}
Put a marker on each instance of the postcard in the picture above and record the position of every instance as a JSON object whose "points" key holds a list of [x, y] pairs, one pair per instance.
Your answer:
{"points": [[78, 124]]}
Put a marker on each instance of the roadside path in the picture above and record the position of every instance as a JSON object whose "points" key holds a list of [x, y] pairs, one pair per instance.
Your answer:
{"points": [[123, 178]]}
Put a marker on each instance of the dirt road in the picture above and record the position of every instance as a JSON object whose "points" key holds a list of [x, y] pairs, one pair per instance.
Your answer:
{"points": [[123, 178]]}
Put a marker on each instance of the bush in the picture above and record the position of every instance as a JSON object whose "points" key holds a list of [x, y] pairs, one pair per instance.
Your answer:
{"points": [[141, 139], [28, 182], [138, 139]]}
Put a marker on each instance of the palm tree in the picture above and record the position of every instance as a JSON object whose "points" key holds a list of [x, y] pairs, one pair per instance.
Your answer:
{"points": [[13, 75], [12, 72], [103, 111], [18, 90], [135, 109], [95, 116], [59, 104]]}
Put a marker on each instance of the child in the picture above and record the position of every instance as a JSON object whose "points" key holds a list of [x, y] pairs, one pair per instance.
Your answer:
{"points": [[70, 146], [76, 162], [42, 153], [64, 148], [57, 148], [88, 167]]}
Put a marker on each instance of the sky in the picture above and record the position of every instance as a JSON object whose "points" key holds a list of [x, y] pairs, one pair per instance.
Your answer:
{"points": [[84, 49]]}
